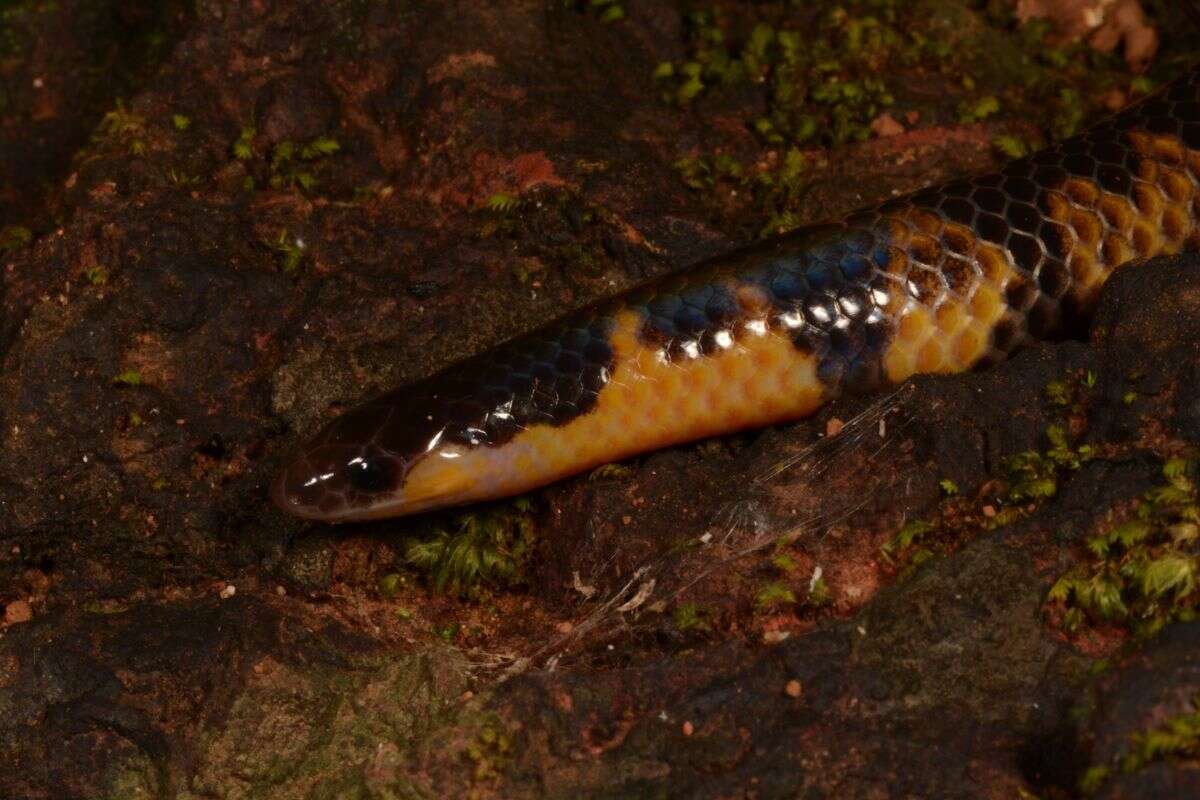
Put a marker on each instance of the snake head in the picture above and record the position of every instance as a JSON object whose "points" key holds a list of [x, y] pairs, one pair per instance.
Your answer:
{"points": [[400, 454], [343, 473]]}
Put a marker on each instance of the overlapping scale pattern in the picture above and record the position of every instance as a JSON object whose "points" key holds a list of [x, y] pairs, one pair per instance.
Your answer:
{"points": [[939, 281]]}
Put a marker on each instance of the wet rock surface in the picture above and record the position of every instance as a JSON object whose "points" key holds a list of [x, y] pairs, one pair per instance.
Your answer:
{"points": [[304, 203]]}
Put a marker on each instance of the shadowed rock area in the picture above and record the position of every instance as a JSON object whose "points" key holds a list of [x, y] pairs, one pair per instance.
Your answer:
{"points": [[974, 586]]}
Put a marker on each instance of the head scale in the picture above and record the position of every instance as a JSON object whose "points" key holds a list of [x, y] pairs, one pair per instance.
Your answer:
{"points": [[358, 466]]}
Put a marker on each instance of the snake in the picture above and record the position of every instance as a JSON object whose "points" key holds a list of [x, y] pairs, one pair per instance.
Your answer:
{"points": [[947, 279]]}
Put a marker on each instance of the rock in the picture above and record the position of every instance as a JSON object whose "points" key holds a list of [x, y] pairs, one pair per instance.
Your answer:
{"points": [[717, 619]]}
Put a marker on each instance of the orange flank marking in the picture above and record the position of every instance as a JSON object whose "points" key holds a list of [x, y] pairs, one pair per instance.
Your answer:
{"points": [[942, 327], [1109, 229], [650, 402]]}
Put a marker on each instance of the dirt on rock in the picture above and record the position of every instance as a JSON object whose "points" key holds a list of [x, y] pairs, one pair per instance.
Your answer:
{"points": [[973, 586]]}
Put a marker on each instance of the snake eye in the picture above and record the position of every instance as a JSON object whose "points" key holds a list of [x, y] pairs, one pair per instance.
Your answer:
{"points": [[371, 474]]}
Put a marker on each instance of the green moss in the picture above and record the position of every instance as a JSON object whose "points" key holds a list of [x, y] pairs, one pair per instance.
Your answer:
{"points": [[292, 165], [1034, 475], [14, 237], [96, 276], [501, 203], [122, 126], [290, 250], [610, 472], [130, 377], [1010, 146], [607, 11], [390, 584], [1177, 738], [1143, 572], [777, 189], [774, 594], [803, 76], [491, 751], [502, 216], [181, 122], [448, 632], [978, 109], [181, 180], [243, 146], [1031, 477], [690, 617], [489, 548], [784, 562], [818, 593], [909, 536], [1093, 778], [820, 80]]}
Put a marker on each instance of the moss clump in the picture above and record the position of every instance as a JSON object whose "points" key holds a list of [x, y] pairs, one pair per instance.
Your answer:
{"points": [[606, 11], [805, 76], [614, 472], [491, 752], [1034, 475], [129, 377], [691, 618], [291, 166], [124, 127], [243, 146], [1030, 478], [502, 215], [819, 69], [14, 237], [1142, 572], [1177, 738], [977, 110], [774, 594], [820, 80], [776, 187], [819, 594], [486, 549], [181, 180], [908, 545], [288, 248]]}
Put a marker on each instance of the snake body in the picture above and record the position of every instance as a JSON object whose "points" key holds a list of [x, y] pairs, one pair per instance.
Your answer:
{"points": [[940, 281]]}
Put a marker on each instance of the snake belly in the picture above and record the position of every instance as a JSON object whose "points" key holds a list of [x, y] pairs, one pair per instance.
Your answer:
{"points": [[940, 281]]}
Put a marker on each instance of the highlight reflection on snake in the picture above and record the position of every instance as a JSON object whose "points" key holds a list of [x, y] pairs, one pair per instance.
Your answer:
{"points": [[940, 281]]}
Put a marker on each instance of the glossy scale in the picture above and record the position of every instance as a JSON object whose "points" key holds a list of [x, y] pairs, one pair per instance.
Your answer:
{"points": [[940, 281]]}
